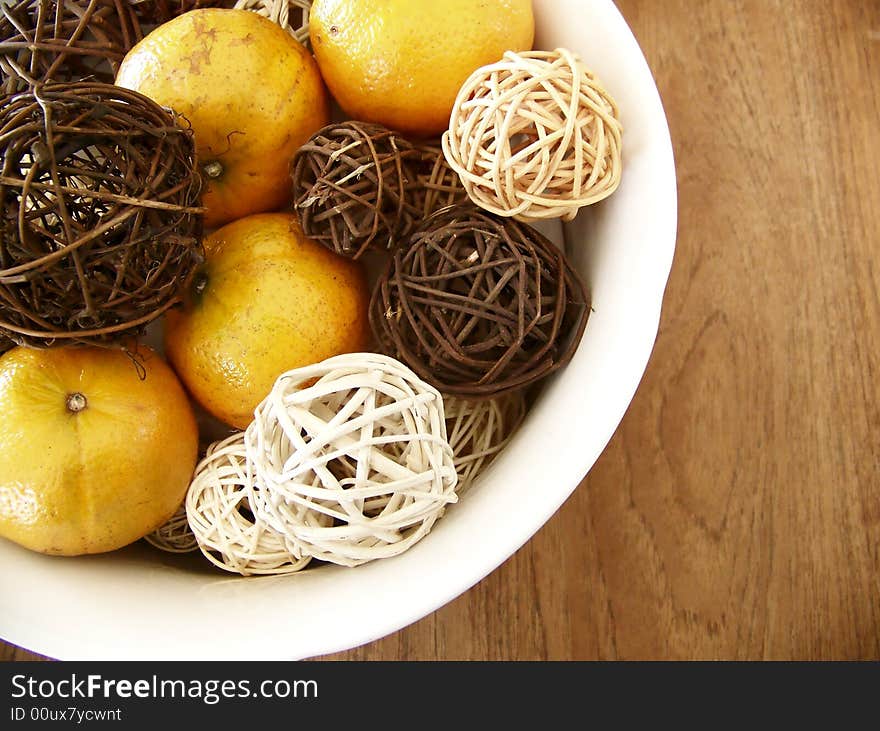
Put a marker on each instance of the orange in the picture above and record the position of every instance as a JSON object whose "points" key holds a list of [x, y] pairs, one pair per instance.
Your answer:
{"points": [[401, 62], [92, 456], [252, 94], [266, 300]]}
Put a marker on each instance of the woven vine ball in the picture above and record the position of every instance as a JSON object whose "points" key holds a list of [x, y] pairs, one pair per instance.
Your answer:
{"points": [[63, 40], [175, 535], [219, 515], [360, 440], [292, 15], [156, 12], [436, 184], [349, 187], [479, 429], [535, 136], [99, 220], [479, 305]]}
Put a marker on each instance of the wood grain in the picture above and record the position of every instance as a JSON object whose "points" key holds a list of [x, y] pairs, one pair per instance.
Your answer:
{"points": [[736, 512]]}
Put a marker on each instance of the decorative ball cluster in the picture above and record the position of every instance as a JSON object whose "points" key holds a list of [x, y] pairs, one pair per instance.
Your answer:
{"points": [[349, 187], [99, 219], [355, 458], [535, 136], [63, 40], [220, 516], [175, 535], [479, 305], [292, 15], [346, 461], [357, 439], [479, 429]]}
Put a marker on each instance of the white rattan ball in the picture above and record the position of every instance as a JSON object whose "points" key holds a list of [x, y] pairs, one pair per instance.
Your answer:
{"points": [[479, 430], [228, 533], [292, 15], [535, 136], [360, 439], [175, 535]]}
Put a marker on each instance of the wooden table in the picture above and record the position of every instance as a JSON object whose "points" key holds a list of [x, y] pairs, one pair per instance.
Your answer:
{"points": [[736, 512]]}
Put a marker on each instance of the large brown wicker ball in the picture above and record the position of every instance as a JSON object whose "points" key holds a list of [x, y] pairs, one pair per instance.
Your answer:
{"points": [[63, 40], [349, 187], [479, 305], [99, 220]]}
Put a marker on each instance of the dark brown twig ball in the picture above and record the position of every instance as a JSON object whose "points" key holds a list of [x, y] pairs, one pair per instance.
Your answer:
{"points": [[478, 305], [156, 12], [349, 187], [63, 40], [5, 343], [99, 221]]}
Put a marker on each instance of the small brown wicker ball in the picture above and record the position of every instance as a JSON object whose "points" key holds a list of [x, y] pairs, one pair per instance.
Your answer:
{"points": [[535, 136], [349, 187], [99, 221], [156, 12], [436, 184], [479, 305], [63, 40]]}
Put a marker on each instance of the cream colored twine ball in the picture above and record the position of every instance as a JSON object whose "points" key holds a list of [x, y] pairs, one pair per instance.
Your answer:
{"points": [[535, 136], [175, 535], [292, 15], [479, 430], [219, 515], [361, 440]]}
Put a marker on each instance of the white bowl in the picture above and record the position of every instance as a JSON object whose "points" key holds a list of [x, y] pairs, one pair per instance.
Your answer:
{"points": [[138, 603]]}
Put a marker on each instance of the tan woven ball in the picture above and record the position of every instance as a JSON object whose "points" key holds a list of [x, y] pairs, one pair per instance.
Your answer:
{"points": [[479, 430], [360, 439], [535, 136], [219, 515], [292, 15], [175, 535]]}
